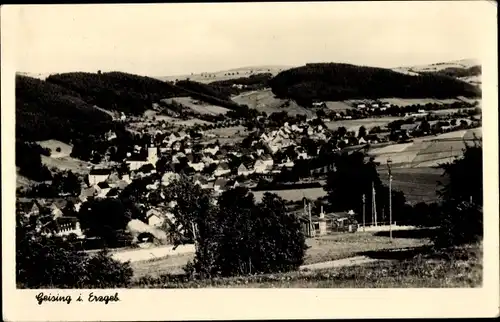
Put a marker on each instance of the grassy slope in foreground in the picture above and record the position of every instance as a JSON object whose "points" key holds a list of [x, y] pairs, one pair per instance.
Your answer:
{"points": [[456, 267], [333, 82]]}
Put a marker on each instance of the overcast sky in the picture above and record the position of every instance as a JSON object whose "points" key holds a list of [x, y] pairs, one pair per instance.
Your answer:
{"points": [[175, 39]]}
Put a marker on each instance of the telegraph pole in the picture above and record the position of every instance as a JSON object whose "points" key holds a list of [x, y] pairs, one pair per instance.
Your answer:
{"points": [[389, 161], [364, 212]]}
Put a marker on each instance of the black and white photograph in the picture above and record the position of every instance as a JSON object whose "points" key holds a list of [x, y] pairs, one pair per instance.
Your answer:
{"points": [[326, 145]]}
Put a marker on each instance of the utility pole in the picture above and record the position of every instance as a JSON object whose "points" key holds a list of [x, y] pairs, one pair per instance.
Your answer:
{"points": [[374, 204], [389, 161], [363, 212], [194, 235]]}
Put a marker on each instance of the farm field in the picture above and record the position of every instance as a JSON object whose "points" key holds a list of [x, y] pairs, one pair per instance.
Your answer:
{"points": [[418, 184], [209, 77], [198, 106], [228, 132], [265, 101], [321, 249], [414, 101], [354, 125], [52, 145], [447, 111], [425, 151], [293, 194], [67, 164], [338, 106]]}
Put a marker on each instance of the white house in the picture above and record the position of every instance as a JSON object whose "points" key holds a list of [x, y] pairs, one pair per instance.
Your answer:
{"points": [[211, 150], [64, 226], [136, 162], [154, 217], [222, 169], [260, 166], [268, 160], [302, 155], [197, 166], [243, 171], [98, 175]]}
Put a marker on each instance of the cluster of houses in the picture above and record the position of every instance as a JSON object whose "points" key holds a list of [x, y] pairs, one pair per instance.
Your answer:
{"points": [[51, 218], [211, 166], [371, 105]]}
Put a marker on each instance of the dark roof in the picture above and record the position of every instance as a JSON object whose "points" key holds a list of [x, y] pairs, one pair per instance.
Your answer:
{"points": [[100, 172], [223, 165], [200, 178], [220, 182], [103, 185], [135, 157], [113, 192]]}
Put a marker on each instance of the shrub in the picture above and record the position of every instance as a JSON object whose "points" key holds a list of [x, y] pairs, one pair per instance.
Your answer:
{"points": [[459, 224], [43, 262], [266, 237]]}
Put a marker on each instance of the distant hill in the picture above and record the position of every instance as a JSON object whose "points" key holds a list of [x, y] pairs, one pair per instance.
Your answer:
{"points": [[48, 111], [334, 82], [467, 70], [210, 77]]}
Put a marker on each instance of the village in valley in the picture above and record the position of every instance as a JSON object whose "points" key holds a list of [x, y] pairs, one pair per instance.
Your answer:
{"points": [[316, 168], [272, 157]]}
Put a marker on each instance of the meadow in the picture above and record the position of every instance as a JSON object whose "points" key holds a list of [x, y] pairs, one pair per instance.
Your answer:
{"points": [[321, 249], [354, 125], [198, 106], [265, 101], [412, 263]]}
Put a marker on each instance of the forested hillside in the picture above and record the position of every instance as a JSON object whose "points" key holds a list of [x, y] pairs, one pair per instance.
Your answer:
{"points": [[48, 111], [117, 91], [250, 83], [331, 81]]}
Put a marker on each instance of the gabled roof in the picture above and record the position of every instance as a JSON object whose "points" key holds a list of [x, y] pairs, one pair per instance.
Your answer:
{"points": [[113, 192], [223, 166], [153, 212], [266, 156], [220, 182], [242, 167], [200, 178]]}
